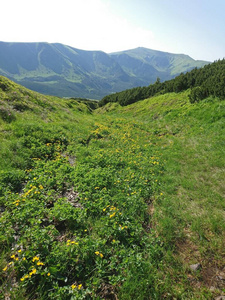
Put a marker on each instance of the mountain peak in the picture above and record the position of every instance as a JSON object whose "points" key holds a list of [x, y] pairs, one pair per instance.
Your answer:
{"points": [[62, 70]]}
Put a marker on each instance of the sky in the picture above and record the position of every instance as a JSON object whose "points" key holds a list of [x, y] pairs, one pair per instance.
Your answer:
{"points": [[192, 27]]}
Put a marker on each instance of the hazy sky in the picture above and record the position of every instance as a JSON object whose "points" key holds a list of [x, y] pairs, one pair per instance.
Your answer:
{"points": [[193, 27]]}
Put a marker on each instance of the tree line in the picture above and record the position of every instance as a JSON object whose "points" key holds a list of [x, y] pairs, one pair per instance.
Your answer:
{"points": [[204, 82]]}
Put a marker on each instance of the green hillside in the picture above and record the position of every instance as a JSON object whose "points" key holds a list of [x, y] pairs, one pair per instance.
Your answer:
{"points": [[112, 203], [204, 82], [60, 70]]}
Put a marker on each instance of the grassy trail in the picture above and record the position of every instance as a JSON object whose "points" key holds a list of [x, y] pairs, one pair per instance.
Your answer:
{"points": [[190, 215]]}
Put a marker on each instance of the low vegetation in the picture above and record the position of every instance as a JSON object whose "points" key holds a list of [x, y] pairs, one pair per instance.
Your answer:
{"points": [[115, 203]]}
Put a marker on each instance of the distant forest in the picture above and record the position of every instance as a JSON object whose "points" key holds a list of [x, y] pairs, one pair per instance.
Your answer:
{"points": [[203, 82]]}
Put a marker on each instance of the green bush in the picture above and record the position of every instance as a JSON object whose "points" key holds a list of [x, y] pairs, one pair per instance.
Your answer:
{"points": [[7, 114], [197, 94]]}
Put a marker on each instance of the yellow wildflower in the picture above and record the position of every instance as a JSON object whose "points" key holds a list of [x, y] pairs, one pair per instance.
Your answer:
{"points": [[79, 286], [35, 258], [48, 274], [73, 286], [33, 272], [39, 263], [5, 268], [24, 277], [98, 253], [75, 243]]}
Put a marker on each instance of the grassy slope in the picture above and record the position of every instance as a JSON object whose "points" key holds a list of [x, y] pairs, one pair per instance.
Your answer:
{"points": [[190, 215], [138, 188]]}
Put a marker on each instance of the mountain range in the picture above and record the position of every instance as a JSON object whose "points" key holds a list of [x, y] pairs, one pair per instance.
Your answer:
{"points": [[61, 70]]}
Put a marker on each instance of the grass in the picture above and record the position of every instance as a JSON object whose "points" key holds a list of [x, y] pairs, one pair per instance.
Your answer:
{"points": [[111, 204], [190, 216]]}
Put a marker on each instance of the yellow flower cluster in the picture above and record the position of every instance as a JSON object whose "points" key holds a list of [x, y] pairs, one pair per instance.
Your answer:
{"points": [[17, 202], [69, 242], [99, 254], [34, 270], [35, 258], [74, 286], [122, 227], [100, 129], [112, 215], [33, 189], [112, 209], [15, 257], [24, 277]]}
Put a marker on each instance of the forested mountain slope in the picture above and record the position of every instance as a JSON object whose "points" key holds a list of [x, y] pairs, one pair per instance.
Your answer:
{"points": [[61, 70], [206, 81]]}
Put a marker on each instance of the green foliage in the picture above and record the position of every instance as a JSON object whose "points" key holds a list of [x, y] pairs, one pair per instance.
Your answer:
{"points": [[197, 94], [70, 234], [6, 114]]}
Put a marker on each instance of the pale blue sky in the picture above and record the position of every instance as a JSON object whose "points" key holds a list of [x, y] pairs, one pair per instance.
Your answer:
{"points": [[193, 27]]}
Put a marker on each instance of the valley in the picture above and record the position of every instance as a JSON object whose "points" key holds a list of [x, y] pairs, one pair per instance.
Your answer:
{"points": [[115, 202], [60, 70]]}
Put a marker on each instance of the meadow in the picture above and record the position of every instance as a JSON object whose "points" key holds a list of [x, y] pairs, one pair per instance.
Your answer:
{"points": [[112, 203]]}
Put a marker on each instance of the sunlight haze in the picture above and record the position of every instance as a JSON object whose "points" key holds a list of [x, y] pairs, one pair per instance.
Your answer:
{"points": [[193, 27]]}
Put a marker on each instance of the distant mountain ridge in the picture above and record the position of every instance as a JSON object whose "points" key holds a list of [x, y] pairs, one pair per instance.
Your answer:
{"points": [[64, 71]]}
